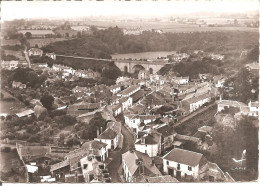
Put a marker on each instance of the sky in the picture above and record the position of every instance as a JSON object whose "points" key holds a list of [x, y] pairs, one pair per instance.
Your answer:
{"points": [[71, 9]]}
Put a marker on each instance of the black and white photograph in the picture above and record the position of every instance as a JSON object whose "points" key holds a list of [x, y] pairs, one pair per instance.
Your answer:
{"points": [[137, 91]]}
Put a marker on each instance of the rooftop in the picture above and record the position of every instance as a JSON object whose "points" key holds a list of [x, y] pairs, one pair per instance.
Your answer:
{"points": [[130, 158], [184, 156], [108, 134]]}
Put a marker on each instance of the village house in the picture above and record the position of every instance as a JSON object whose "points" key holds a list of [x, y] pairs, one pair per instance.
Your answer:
{"points": [[35, 52], [219, 81], [129, 91], [115, 89], [149, 144], [137, 109], [117, 109], [100, 150], [133, 121], [143, 74], [192, 104], [217, 56], [19, 85], [133, 31], [168, 134], [181, 163], [138, 166], [126, 103], [82, 108], [147, 118], [10, 65], [180, 80], [109, 137], [138, 95], [51, 55]]}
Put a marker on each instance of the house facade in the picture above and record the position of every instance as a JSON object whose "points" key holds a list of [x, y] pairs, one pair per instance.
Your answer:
{"points": [[110, 138], [136, 164], [181, 163], [133, 121], [149, 144]]}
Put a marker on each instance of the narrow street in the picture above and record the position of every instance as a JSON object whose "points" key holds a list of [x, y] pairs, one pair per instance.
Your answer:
{"points": [[116, 155]]}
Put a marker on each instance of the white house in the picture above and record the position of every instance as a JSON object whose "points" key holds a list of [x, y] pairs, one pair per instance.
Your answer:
{"points": [[137, 166], [149, 144], [129, 91], [109, 137], [181, 80], [35, 52], [115, 89], [97, 148], [117, 109], [11, 65], [133, 121], [126, 102], [181, 163], [51, 55], [194, 103], [253, 106], [147, 118]]}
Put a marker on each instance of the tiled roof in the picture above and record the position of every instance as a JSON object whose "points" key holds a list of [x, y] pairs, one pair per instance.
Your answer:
{"points": [[107, 134], [129, 90], [93, 144], [130, 160], [147, 117], [184, 157], [205, 128], [139, 94], [59, 165], [198, 98], [166, 130]]}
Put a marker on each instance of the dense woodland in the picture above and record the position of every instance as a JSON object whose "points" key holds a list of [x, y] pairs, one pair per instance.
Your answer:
{"points": [[103, 43]]}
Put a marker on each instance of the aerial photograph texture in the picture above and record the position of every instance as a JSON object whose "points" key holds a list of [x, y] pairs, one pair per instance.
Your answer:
{"points": [[129, 92]]}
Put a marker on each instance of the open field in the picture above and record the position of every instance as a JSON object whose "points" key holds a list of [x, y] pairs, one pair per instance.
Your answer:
{"points": [[39, 41], [10, 105], [173, 26]]}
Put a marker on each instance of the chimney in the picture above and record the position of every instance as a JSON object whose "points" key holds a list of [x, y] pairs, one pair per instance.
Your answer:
{"points": [[101, 130], [142, 140], [97, 133]]}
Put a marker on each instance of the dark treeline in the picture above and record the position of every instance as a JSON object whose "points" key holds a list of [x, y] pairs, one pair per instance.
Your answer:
{"points": [[103, 43]]}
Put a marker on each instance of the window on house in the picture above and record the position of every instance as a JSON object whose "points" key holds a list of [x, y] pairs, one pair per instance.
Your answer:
{"points": [[189, 168], [167, 162], [145, 151], [178, 166]]}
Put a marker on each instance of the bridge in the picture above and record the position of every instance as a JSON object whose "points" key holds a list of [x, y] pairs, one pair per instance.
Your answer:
{"points": [[129, 66]]}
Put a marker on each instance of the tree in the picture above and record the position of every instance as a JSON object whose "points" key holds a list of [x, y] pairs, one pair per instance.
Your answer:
{"points": [[28, 35], [47, 101]]}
